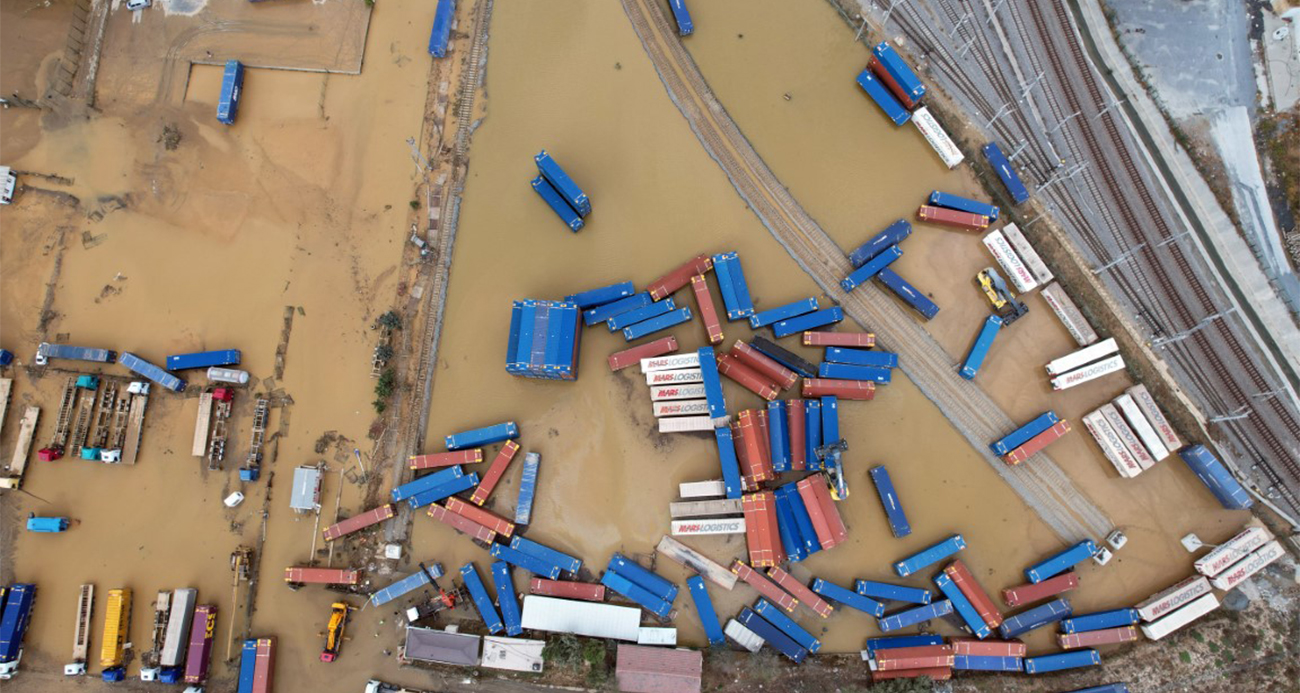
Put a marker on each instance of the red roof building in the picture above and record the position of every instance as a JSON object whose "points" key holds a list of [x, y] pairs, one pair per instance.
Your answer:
{"points": [[658, 670]]}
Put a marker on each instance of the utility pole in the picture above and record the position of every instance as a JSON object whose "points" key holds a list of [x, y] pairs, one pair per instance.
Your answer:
{"points": [[1123, 257]]}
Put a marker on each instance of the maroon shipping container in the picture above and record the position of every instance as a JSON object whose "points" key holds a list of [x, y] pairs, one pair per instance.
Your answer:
{"points": [[759, 362], [494, 472], [762, 536], [970, 587], [631, 357], [708, 313], [764, 586], [943, 216], [1037, 443], [860, 340], [486, 518], [199, 653], [825, 516], [914, 657], [676, 279], [936, 673], [356, 523], [567, 589], [264, 666], [1030, 593], [844, 389], [800, 592], [765, 443], [447, 459], [798, 455], [461, 523], [891, 84], [988, 648], [749, 451], [1093, 638], [321, 576], [747, 377]]}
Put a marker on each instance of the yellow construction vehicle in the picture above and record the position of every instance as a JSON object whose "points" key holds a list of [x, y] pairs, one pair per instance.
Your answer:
{"points": [[1005, 303], [334, 631]]}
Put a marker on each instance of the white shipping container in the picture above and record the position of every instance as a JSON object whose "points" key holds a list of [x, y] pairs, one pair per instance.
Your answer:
{"points": [[1111, 446], [1198, 608], [1127, 436], [177, 638], [1143, 428], [686, 376], [1069, 314], [1232, 550], [1248, 566], [659, 393], [1092, 372], [685, 424], [657, 636], [1167, 600], [690, 407], [937, 137], [1082, 357], [721, 525], [1147, 404], [1006, 256], [590, 619], [702, 489], [743, 636], [672, 361], [705, 508], [1027, 253]]}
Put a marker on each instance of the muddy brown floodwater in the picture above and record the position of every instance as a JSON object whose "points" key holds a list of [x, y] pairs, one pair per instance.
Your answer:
{"points": [[304, 205]]}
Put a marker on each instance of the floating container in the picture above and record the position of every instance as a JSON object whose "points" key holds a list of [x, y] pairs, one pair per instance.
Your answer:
{"points": [[844, 371], [359, 522], [446, 490], [1216, 477], [888, 63], [528, 562], [930, 556], [555, 201], [1082, 357], [494, 473], [830, 420], [446, 459], [809, 321], [869, 269], [731, 281], [892, 592], [883, 97], [1088, 373], [708, 313], [543, 340], [1038, 443], [152, 372], [636, 593], [875, 645], [962, 606], [727, 459], [941, 216], [762, 533], [202, 635], [964, 204], [1100, 620], [1146, 433], [482, 601], [1021, 435], [659, 586], [786, 358], [1062, 561], [802, 520], [747, 378], [566, 562], [844, 389], [980, 349], [908, 293], [593, 298], [1232, 550], [987, 663], [892, 235], [683, 17], [1127, 436], [800, 592], [704, 609], [486, 518], [825, 516], [1061, 661], [1027, 254], [796, 424], [228, 375], [702, 489], [761, 364], [629, 357], [203, 359], [778, 435], [1035, 592], [462, 524], [988, 648], [789, 310], [680, 277], [426, 482], [1010, 261], [668, 393], [743, 636], [1184, 615], [930, 128], [859, 340], [1142, 397], [632, 317], [1094, 638], [772, 635], [232, 87], [1002, 167], [1248, 566], [657, 324], [812, 427], [970, 587], [557, 177], [778, 618], [673, 362], [1111, 445], [860, 357], [690, 407], [899, 658], [487, 435], [916, 615], [603, 312], [506, 598], [848, 598], [440, 36], [1035, 618], [566, 589]]}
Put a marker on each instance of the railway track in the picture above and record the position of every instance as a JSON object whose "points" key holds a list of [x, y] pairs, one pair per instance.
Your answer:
{"points": [[1042, 485]]}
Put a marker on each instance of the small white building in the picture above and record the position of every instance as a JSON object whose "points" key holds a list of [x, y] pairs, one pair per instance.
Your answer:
{"points": [[305, 497], [8, 181]]}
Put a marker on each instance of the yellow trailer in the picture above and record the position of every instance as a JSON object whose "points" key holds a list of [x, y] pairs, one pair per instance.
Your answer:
{"points": [[117, 627]]}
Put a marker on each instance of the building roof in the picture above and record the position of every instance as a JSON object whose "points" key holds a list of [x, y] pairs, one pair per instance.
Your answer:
{"points": [[428, 645], [658, 670], [306, 489], [513, 654]]}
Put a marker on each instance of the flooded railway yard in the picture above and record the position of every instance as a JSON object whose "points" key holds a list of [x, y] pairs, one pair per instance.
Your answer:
{"points": [[286, 236]]}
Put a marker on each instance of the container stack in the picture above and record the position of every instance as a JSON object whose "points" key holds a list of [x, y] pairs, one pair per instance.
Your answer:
{"points": [[872, 260], [560, 193], [1132, 432], [1084, 365], [1031, 438], [544, 340]]}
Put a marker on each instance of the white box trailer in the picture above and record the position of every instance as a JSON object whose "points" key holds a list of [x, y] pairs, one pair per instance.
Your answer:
{"points": [[590, 619], [1127, 436], [662, 393], [1142, 427], [685, 424], [701, 527], [1069, 314], [177, 639], [1232, 550], [1111, 446], [670, 362], [1001, 250], [938, 138], [1169, 599], [743, 636], [1242, 570], [688, 407], [1092, 371], [716, 488], [1027, 253], [684, 376], [1181, 617], [1142, 396], [1082, 357]]}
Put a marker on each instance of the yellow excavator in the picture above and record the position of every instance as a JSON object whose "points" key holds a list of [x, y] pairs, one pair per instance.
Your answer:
{"points": [[1004, 301], [334, 632]]}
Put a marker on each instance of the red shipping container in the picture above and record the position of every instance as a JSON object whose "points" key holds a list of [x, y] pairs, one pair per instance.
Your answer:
{"points": [[567, 589], [676, 279], [936, 673], [461, 523], [321, 576], [860, 390], [631, 357], [494, 473], [1038, 442], [860, 340], [264, 666], [484, 517], [891, 84], [969, 586], [762, 536], [357, 523], [914, 657], [761, 364], [988, 648], [825, 516], [943, 216], [708, 313], [446, 459], [747, 377], [800, 592], [1029, 593], [795, 410], [1093, 638], [765, 444], [749, 452], [764, 586]]}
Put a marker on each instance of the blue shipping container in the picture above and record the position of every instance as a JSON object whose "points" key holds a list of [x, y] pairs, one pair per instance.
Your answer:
{"points": [[204, 359], [783, 356], [1062, 661], [987, 663], [713, 390], [964, 204], [443, 491], [871, 268], [527, 489], [812, 434], [1100, 620], [1216, 477], [604, 312], [1035, 618], [232, 84], [980, 349], [641, 314], [930, 556], [506, 598], [152, 372], [1010, 179], [683, 16], [895, 642], [704, 607], [898, 524], [884, 98], [899, 70], [426, 482], [654, 325], [774, 615], [569, 191], [862, 357], [730, 464], [1021, 435], [735, 290], [844, 371], [657, 585], [788, 528], [479, 437], [788, 310], [772, 635], [555, 201], [848, 598], [892, 235], [1062, 561], [532, 564], [892, 592], [778, 434], [962, 606], [916, 615], [637, 593], [14, 619], [46, 351], [411, 582], [546, 553], [441, 34], [908, 293], [806, 534], [1108, 688], [6, 357], [247, 666], [809, 321], [47, 525], [482, 601], [599, 297]]}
